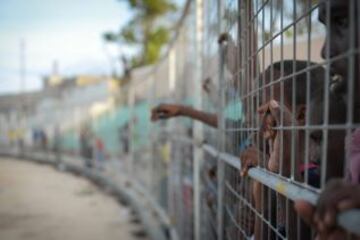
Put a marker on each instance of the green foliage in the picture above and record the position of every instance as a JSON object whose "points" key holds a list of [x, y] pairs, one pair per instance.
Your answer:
{"points": [[110, 37], [152, 48], [128, 34], [158, 7], [158, 38], [144, 30], [152, 7]]}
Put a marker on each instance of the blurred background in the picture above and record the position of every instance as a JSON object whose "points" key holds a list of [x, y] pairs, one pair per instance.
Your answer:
{"points": [[65, 61], [65, 73]]}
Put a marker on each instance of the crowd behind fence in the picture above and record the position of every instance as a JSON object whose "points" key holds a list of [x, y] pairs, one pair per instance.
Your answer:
{"points": [[229, 58]]}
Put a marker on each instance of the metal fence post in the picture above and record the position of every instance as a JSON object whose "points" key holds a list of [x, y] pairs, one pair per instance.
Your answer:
{"points": [[221, 128], [131, 104], [198, 128]]}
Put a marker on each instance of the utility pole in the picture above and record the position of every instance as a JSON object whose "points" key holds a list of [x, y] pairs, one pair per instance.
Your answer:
{"points": [[21, 118], [55, 68], [22, 65]]}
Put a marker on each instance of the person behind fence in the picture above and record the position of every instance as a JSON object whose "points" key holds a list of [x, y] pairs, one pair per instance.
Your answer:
{"points": [[317, 74], [123, 133], [336, 116], [233, 101], [57, 145], [340, 195], [99, 153], [43, 140], [165, 111], [86, 147], [35, 138], [250, 156]]}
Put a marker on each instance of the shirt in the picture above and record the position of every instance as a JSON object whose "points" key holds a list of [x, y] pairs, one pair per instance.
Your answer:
{"points": [[352, 148]]}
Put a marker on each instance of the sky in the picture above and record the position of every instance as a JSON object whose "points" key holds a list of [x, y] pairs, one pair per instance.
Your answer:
{"points": [[66, 31]]}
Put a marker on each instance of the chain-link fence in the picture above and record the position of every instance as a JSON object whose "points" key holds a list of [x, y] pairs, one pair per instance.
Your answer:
{"points": [[230, 59]]}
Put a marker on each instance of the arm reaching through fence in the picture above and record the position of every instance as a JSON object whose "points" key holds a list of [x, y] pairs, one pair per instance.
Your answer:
{"points": [[166, 111]]}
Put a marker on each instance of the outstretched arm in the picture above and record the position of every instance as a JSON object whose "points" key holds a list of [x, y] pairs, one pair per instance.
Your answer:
{"points": [[165, 111]]}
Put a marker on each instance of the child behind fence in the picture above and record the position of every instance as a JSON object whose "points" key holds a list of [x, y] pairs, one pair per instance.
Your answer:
{"points": [[267, 143]]}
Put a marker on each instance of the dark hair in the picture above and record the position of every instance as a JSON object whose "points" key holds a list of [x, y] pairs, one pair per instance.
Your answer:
{"points": [[296, 72], [337, 108]]}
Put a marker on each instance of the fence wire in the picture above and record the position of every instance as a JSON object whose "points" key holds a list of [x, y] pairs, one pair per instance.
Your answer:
{"points": [[254, 52]]}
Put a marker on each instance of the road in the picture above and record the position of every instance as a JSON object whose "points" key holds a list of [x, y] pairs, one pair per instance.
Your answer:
{"points": [[38, 202]]}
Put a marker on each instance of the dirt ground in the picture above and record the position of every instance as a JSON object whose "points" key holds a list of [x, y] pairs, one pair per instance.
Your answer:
{"points": [[37, 202]]}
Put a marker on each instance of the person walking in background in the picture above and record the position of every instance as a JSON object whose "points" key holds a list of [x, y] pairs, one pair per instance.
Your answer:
{"points": [[86, 148], [99, 153], [43, 140], [57, 146]]}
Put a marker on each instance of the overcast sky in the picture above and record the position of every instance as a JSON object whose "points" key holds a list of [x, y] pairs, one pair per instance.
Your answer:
{"points": [[68, 31]]}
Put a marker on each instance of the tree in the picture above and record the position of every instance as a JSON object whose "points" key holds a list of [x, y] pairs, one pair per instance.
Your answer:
{"points": [[145, 30]]}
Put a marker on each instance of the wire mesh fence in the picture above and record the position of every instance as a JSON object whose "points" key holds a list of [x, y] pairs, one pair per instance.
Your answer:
{"points": [[276, 85], [254, 52]]}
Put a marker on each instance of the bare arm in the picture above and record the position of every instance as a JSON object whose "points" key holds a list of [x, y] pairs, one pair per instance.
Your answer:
{"points": [[204, 117], [165, 111]]}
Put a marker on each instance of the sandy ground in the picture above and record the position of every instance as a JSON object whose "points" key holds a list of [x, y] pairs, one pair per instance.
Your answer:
{"points": [[37, 202]]}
